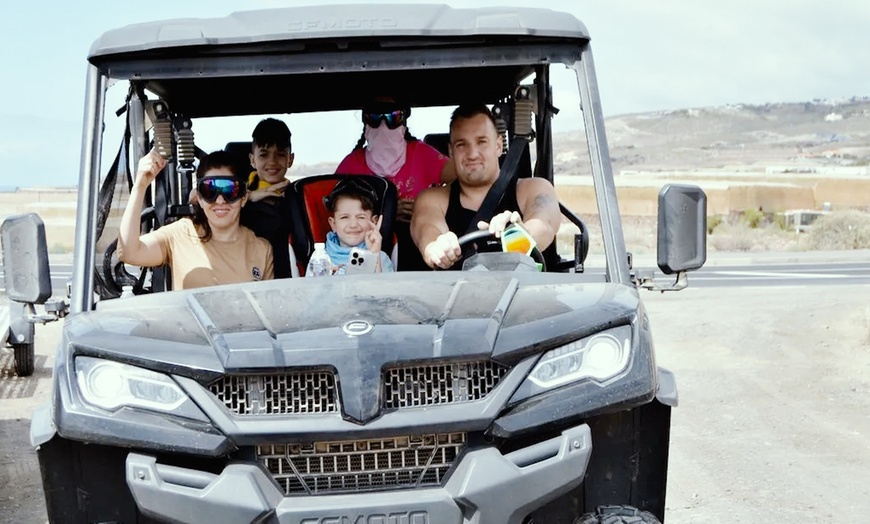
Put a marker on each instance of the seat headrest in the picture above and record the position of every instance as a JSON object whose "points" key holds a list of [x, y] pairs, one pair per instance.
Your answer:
{"points": [[440, 141], [239, 148], [312, 221]]}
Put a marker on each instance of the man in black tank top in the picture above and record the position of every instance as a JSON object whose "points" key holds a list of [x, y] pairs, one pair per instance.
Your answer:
{"points": [[459, 218], [442, 214]]}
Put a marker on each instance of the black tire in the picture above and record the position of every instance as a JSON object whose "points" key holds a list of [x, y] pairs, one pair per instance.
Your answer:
{"points": [[24, 357], [618, 515], [86, 483]]}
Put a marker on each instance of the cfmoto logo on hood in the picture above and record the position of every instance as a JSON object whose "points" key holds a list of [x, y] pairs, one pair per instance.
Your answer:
{"points": [[355, 328]]}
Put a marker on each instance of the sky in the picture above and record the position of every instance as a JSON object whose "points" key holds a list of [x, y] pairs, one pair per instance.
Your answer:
{"points": [[649, 56]]}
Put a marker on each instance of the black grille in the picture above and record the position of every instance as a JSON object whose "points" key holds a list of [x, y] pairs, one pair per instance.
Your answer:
{"points": [[353, 466], [442, 383], [290, 393], [314, 392]]}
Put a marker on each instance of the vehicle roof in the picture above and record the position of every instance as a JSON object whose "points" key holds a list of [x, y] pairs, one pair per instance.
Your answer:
{"points": [[337, 21], [305, 59]]}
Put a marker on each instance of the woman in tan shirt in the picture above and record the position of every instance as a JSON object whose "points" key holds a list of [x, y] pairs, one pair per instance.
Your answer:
{"points": [[212, 247]]}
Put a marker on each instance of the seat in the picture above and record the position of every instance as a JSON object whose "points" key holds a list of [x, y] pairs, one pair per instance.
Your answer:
{"points": [[310, 218], [440, 141], [242, 149]]}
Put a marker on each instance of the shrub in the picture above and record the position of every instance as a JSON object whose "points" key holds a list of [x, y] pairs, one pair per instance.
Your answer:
{"points": [[753, 217], [849, 229], [779, 220], [712, 222], [732, 237], [740, 237]]}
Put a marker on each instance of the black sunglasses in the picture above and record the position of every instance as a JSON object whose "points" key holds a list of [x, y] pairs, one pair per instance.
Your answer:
{"points": [[393, 119], [231, 188]]}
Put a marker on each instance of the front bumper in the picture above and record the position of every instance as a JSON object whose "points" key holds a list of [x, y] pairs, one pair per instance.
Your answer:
{"points": [[486, 487]]}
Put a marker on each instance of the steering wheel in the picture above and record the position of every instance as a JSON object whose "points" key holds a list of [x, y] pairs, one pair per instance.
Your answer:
{"points": [[467, 239]]}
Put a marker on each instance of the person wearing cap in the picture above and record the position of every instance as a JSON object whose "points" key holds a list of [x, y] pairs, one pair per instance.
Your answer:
{"points": [[211, 247], [387, 149], [351, 205]]}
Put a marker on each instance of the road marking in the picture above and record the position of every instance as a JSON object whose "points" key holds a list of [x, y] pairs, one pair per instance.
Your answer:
{"points": [[777, 274]]}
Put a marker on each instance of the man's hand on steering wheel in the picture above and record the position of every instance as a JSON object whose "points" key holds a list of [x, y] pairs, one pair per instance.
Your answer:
{"points": [[444, 251], [500, 222]]}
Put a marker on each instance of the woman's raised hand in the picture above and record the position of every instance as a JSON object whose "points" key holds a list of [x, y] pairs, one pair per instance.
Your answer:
{"points": [[149, 166]]}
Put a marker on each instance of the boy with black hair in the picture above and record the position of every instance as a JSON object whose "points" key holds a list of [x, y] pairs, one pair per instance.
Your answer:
{"points": [[267, 213], [271, 156], [351, 205]]}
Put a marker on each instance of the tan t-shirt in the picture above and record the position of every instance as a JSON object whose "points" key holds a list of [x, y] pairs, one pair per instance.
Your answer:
{"points": [[195, 263]]}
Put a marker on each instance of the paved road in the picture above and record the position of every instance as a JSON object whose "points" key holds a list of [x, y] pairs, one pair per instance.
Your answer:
{"points": [[814, 273]]}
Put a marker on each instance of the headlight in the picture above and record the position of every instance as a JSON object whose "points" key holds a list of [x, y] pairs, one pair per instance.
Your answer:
{"points": [[110, 385], [599, 357]]}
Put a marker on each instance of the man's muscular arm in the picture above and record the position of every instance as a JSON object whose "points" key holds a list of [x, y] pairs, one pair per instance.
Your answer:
{"points": [[436, 243], [540, 208]]}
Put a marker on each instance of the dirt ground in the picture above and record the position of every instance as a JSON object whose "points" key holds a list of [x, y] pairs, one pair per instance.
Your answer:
{"points": [[773, 423], [21, 498], [774, 416]]}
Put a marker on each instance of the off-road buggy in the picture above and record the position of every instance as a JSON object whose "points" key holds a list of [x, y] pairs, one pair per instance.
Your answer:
{"points": [[498, 394]]}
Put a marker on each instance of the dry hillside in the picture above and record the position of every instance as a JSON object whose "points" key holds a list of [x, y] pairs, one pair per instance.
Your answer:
{"points": [[797, 136]]}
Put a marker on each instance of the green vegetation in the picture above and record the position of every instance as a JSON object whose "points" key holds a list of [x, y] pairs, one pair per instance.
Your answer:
{"points": [[753, 218], [779, 220], [713, 221]]}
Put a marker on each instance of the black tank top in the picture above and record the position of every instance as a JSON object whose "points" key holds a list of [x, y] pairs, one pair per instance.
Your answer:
{"points": [[459, 220]]}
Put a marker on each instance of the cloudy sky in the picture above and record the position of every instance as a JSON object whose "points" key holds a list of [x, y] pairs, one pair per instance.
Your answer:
{"points": [[649, 55]]}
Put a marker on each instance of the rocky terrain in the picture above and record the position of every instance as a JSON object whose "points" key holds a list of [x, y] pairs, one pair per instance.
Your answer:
{"points": [[800, 137]]}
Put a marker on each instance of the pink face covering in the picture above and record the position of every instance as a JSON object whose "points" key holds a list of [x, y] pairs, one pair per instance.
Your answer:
{"points": [[385, 152]]}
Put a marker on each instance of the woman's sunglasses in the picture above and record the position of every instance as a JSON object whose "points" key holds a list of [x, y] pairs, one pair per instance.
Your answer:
{"points": [[393, 119], [211, 188]]}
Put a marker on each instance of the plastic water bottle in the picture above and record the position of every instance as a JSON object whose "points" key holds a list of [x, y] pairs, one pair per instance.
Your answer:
{"points": [[318, 265], [127, 291]]}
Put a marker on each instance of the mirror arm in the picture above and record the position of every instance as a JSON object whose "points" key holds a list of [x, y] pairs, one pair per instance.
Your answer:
{"points": [[646, 280], [54, 310]]}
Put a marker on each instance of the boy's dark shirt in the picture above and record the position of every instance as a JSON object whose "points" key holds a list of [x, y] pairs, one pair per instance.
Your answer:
{"points": [[269, 218]]}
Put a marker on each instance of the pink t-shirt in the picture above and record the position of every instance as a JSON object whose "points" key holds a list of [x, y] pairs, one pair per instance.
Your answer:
{"points": [[422, 169]]}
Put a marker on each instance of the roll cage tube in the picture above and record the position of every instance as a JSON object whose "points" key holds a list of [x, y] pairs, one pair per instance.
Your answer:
{"points": [[543, 124], [159, 195], [605, 190], [82, 298]]}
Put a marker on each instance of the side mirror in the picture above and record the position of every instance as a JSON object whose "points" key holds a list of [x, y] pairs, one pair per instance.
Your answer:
{"points": [[25, 259], [682, 228]]}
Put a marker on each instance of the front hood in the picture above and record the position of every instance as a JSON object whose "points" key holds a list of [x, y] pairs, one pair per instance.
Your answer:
{"points": [[356, 325], [289, 322]]}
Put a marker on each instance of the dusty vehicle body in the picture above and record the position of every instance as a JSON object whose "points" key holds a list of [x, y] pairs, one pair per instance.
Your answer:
{"points": [[498, 395]]}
